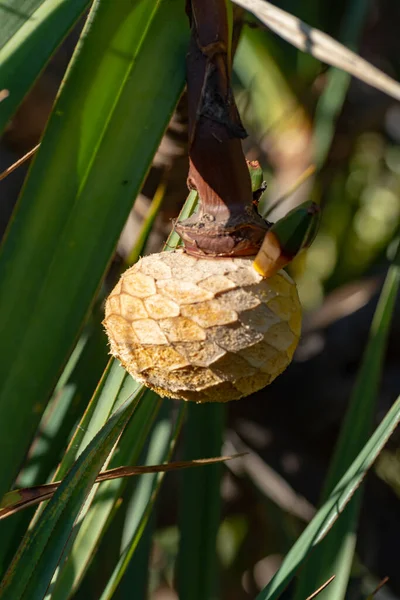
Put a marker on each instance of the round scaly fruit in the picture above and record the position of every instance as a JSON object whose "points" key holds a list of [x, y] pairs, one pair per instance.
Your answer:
{"points": [[210, 323], [200, 329]]}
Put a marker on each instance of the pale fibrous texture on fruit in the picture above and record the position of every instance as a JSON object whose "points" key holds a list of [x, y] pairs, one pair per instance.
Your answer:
{"points": [[200, 329]]}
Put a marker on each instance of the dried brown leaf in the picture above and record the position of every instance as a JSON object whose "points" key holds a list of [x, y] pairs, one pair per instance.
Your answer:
{"points": [[20, 499], [20, 161], [320, 45], [320, 589]]}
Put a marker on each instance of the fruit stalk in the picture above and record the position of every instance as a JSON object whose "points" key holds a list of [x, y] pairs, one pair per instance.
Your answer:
{"points": [[227, 222]]}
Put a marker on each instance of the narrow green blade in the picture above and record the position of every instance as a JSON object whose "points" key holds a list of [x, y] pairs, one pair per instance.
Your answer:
{"points": [[333, 507], [147, 225], [115, 385], [200, 504], [160, 448], [101, 512], [331, 101], [128, 71], [71, 396], [335, 554], [30, 31], [137, 573], [32, 569], [98, 514]]}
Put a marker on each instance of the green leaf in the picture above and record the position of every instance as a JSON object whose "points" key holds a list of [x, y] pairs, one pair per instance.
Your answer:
{"points": [[200, 504], [115, 385], [335, 554], [188, 208], [97, 515], [127, 71], [160, 448], [147, 225], [30, 31], [337, 83], [333, 507], [137, 573], [32, 569], [72, 394]]}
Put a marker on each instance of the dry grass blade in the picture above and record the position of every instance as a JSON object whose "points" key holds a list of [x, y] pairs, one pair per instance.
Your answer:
{"points": [[320, 45], [378, 587], [17, 500], [18, 162], [266, 479], [320, 589]]}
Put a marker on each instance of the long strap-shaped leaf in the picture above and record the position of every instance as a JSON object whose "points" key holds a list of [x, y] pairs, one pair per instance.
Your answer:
{"points": [[332, 98], [335, 554], [100, 507], [46, 541], [29, 34], [98, 517], [114, 385], [126, 77], [113, 388], [320, 45], [200, 505], [333, 507], [161, 445]]}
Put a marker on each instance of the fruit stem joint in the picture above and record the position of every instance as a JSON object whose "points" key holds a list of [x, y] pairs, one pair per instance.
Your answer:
{"points": [[227, 222]]}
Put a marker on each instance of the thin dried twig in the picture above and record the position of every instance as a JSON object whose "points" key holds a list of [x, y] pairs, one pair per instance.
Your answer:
{"points": [[320, 589], [320, 45], [378, 587], [268, 481], [17, 500], [19, 162]]}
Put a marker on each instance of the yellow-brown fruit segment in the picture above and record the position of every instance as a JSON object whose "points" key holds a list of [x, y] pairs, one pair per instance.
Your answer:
{"points": [[200, 329]]}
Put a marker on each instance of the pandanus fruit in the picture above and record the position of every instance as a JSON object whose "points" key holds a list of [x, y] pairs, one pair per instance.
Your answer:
{"points": [[217, 319]]}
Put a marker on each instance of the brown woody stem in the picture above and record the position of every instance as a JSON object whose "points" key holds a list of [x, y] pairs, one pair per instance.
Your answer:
{"points": [[227, 222]]}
